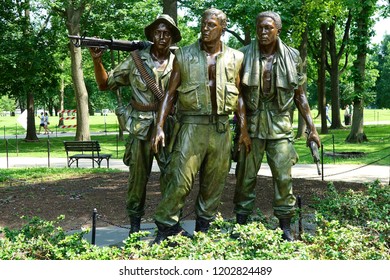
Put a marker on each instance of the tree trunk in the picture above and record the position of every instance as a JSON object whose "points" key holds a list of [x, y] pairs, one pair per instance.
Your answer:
{"points": [[82, 114], [61, 97], [170, 8], [303, 52], [73, 16], [321, 81], [334, 77], [357, 134], [31, 134]]}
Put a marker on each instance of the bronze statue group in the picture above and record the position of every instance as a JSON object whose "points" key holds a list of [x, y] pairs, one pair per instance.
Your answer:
{"points": [[187, 129]]}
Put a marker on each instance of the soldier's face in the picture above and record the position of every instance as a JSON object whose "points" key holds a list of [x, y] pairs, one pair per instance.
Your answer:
{"points": [[266, 30], [211, 29], [162, 37]]}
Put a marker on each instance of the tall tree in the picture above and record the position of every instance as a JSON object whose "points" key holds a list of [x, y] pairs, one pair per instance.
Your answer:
{"points": [[382, 84], [336, 54], [363, 20], [27, 63], [322, 80], [71, 12]]}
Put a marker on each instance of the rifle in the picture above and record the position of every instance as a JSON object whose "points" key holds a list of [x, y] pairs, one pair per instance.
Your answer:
{"points": [[120, 45], [315, 154]]}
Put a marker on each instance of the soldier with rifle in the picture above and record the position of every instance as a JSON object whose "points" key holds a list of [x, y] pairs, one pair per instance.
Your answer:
{"points": [[271, 83], [147, 73]]}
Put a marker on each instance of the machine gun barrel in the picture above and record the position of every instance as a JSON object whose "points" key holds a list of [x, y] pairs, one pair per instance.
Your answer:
{"points": [[120, 45]]}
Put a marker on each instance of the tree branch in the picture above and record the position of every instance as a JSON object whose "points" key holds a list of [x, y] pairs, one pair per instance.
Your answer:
{"points": [[236, 35]]}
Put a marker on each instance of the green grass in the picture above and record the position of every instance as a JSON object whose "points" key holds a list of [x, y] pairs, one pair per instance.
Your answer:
{"points": [[54, 146], [371, 116], [98, 123], [377, 147], [376, 150], [31, 175]]}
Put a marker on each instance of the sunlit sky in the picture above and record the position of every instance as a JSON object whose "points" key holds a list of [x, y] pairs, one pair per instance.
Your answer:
{"points": [[381, 28]]}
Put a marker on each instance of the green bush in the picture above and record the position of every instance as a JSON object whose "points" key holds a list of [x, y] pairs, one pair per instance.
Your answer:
{"points": [[42, 240], [369, 210], [350, 226], [334, 241]]}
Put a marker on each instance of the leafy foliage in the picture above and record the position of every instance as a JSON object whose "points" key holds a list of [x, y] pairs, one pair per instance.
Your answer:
{"points": [[382, 84], [28, 46], [369, 210], [354, 233], [42, 240]]}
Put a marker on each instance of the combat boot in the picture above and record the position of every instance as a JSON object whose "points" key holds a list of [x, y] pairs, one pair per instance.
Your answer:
{"points": [[285, 225], [241, 219], [164, 232], [135, 224], [202, 225]]}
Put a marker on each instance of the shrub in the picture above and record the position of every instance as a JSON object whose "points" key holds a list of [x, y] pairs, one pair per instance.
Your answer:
{"points": [[42, 240], [350, 226], [368, 210]]}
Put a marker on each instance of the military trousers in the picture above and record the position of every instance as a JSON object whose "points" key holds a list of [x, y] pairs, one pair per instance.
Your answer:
{"points": [[203, 150], [139, 157], [281, 156]]}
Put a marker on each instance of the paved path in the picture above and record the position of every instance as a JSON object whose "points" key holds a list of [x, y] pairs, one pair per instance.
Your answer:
{"points": [[331, 172]]}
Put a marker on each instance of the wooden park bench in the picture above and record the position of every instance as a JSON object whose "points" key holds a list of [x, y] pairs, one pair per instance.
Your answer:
{"points": [[87, 150]]}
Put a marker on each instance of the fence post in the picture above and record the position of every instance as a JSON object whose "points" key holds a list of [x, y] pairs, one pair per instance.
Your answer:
{"points": [[48, 152], [334, 156], [322, 161], [6, 150], [117, 144], [93, 238], [300, 227], [16, 137]]}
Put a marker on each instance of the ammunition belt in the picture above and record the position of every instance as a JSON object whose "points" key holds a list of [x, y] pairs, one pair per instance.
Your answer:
{"points": [[144, 107]]}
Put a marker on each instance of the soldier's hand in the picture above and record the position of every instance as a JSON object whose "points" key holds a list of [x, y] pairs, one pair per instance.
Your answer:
{"points": [[159, 136], [96, 52], [245, 140], [313, 136]]}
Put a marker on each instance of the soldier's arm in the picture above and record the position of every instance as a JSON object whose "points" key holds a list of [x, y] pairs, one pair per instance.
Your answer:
{"points": [[241, 115], [100, 73], [302, 104], [166, 106]]}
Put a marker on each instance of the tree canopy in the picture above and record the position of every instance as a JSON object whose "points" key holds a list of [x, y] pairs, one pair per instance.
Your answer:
{"points": [[36, 63]]}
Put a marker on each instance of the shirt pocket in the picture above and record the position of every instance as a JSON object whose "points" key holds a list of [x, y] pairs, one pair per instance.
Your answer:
{"points": [[188, 99], [281, 122], [138, 82], [231, 99]]}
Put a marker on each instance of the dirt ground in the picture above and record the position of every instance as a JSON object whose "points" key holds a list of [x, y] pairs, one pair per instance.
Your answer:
{"points": [[77, 197]]}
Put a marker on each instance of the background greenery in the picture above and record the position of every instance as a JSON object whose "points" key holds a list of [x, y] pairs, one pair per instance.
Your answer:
{"points": [[106, 129], [36, 59]]}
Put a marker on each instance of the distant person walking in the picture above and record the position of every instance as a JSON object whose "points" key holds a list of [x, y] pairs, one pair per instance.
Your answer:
{"points": [[327, 108], [347, 115], [46, 124], [42, 123]]}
